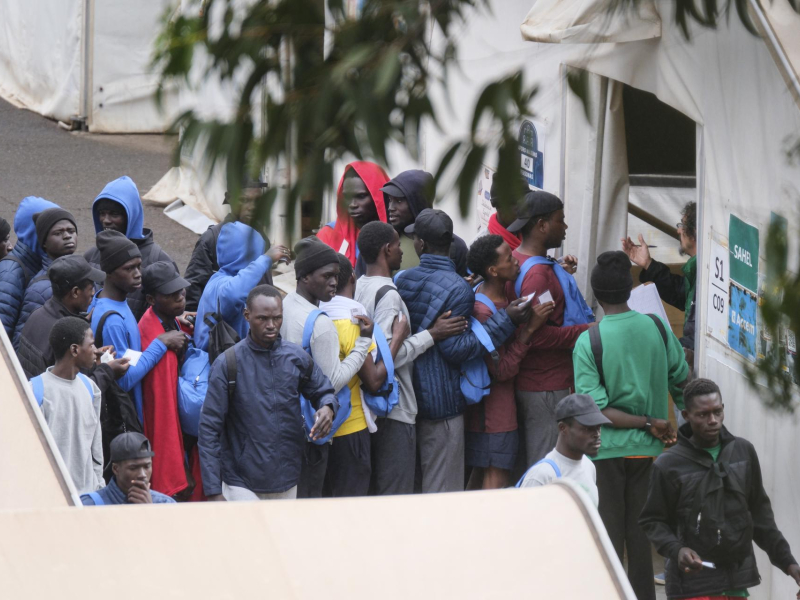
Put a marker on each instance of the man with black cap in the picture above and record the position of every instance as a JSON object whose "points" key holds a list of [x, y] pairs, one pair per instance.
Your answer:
{"points": [[165, 291], [58, 236], [317, 271], [430, 290], [629, 368], [545, 374], [406, 196], [579, 422], [132, 466], [112, 320]]}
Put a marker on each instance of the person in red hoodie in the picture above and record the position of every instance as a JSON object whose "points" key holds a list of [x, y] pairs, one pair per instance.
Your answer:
{"points": [[165, 292], [359, 200]]}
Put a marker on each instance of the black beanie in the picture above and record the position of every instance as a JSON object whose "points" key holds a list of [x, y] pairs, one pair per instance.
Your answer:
{"points": [[312, 254], [5, 229], [611, 277], [115, 250], [45, 220]]}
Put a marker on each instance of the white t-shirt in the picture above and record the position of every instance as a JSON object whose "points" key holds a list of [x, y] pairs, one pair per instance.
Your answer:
{"points": [[580, 471]]}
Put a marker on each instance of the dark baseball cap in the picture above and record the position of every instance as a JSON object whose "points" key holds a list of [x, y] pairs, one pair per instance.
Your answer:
{"points": [[535, 204], [163, 278], [73, 269], [433, 226], [130, 446], [582, 408]]}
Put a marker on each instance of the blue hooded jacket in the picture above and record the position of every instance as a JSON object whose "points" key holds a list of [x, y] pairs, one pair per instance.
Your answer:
{"points": [[242, 264], [124, 191], [22, 263]]}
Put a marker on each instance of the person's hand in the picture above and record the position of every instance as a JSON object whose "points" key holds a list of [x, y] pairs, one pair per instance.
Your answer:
{"points": [[216, 498], [639, 255], [279, 254], [473, 279], [689, 561], [139, 493], [446, 326], [98, 353], [323, 420], [119, 366], [366, 325], [173, 340], [183, 320], [400, 327], [569, 263], [519, 311], [662, 429], [541, 312], [794, 572]]}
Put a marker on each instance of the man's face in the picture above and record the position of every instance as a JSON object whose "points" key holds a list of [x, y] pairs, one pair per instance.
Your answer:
{"points": [[395, 254], [128, 471], [321, 284], [357, 199], [688, 243], [555, 229], [247, 204], [6, 246], [84, 354], [705, 417], [265, 316], [581, 438], [112, 215], [169, 305], [399, 212], [62, 239], [507, 267], [128, 277], [82, 296]]}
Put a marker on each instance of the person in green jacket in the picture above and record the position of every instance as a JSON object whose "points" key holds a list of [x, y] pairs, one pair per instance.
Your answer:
{"points": [[638, 372]]}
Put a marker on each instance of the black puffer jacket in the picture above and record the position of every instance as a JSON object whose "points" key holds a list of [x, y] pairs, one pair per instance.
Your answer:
{"points": [[672, 288], [673, 483]]}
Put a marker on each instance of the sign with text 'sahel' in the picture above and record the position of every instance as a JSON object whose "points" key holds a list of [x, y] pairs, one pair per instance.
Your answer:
{"points": [[743, 245]]}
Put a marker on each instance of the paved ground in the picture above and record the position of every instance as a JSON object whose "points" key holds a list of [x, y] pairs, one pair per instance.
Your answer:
{"points": [[37, 158]]}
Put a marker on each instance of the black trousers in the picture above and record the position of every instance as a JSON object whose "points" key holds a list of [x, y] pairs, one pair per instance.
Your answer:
{"points": [[622, 484], [349, 465], [312, 470], [394, 452]]}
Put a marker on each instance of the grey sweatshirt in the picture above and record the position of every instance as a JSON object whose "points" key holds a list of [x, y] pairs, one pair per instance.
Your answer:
{"points": [[74, 422], [390, 306], [324, 341]]}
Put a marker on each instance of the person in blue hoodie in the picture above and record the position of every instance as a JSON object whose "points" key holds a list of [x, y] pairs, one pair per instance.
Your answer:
{"points": [[57, 234], [242, 264], [113, 322], [19, 266], [119, 208]]}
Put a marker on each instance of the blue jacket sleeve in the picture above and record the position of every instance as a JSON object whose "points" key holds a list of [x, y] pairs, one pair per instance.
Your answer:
{"points": [[12, 281], [114, 332], [233, 293], [212, 424]]}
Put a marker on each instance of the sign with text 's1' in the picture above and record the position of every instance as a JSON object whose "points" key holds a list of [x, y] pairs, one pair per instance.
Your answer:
{"points": [[743, 246], [717, 308]]}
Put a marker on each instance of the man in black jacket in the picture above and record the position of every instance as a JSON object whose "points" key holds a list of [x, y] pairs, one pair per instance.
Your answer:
{"points": [[670, 514]]}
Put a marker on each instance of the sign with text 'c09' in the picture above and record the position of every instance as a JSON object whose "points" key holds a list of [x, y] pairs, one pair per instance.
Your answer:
{"points": [[743, 246]]}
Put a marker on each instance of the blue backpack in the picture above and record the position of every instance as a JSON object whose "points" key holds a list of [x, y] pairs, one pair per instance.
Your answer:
{"points": [[192, 388], [38, 387], [387, 397], [475, 380], [343, 395], [97, 498], [549, 461]]}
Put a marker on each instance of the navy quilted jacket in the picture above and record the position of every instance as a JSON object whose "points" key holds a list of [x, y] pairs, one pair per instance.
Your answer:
{"points": [[14, 278], [429, 290], [38, 292]]}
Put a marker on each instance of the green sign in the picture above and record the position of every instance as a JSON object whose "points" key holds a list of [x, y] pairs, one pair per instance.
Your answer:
{"points": [[743, 247]]}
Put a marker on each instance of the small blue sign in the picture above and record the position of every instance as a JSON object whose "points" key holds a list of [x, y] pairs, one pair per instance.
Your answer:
{"points": [[743, 310], [531, 155]]}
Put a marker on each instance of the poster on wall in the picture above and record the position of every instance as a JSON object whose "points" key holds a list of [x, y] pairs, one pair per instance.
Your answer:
{"points": [[742, 318], [717, 307], [743, 246], [484, 204], [531, 151]]}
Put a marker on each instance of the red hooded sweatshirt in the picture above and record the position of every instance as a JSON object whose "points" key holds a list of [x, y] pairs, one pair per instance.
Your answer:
{"points": [[160, 406], [343, 229]]}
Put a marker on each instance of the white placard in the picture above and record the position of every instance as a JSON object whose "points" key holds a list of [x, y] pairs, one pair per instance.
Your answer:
{"points": [[718, 293], [645, 299]]}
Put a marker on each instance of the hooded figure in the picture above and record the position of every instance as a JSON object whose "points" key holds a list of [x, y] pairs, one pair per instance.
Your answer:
{"points": [[22, 263], [123, 192], [242, 264], [341, 234]]}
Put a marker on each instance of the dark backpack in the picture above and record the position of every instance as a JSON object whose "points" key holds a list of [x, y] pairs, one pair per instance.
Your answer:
{"points": [[719, 526], [597, 345], [221, 336]]}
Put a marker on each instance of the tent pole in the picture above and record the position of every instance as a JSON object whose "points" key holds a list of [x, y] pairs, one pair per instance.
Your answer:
{"points": [[87, 63], [776, 50], [653, 221]]}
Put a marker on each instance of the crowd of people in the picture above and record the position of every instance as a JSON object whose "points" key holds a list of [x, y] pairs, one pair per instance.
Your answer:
{"points": [[405, 361]]}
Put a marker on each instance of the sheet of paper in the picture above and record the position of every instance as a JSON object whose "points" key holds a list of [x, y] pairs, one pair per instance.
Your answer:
{"points": [[645, 299], [133, 355], [545, 297]]}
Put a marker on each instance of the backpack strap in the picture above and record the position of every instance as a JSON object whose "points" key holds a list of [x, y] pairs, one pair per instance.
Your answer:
{"points": [[483, 337], [597, 351], [230, 359], [661, 329], [549, 461], [523, 270], [88, 383], [96, 498], [40, 277], [308, 328], [16, 259], [397, 275], [381, 293], [486, 301], [384, 354], [98, 336], [38, 389]]}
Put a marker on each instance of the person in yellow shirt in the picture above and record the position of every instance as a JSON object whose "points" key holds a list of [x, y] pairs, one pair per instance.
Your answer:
{"points": [[349, 460]]}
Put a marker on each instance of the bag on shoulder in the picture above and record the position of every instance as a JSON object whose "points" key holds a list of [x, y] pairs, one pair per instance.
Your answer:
{"points": [[475, 379], [385, 399], [548, 461], [221, 336], [192, 388], [343, 395], [719, 526], [26, 272], [38, 387], [596, 343]]}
